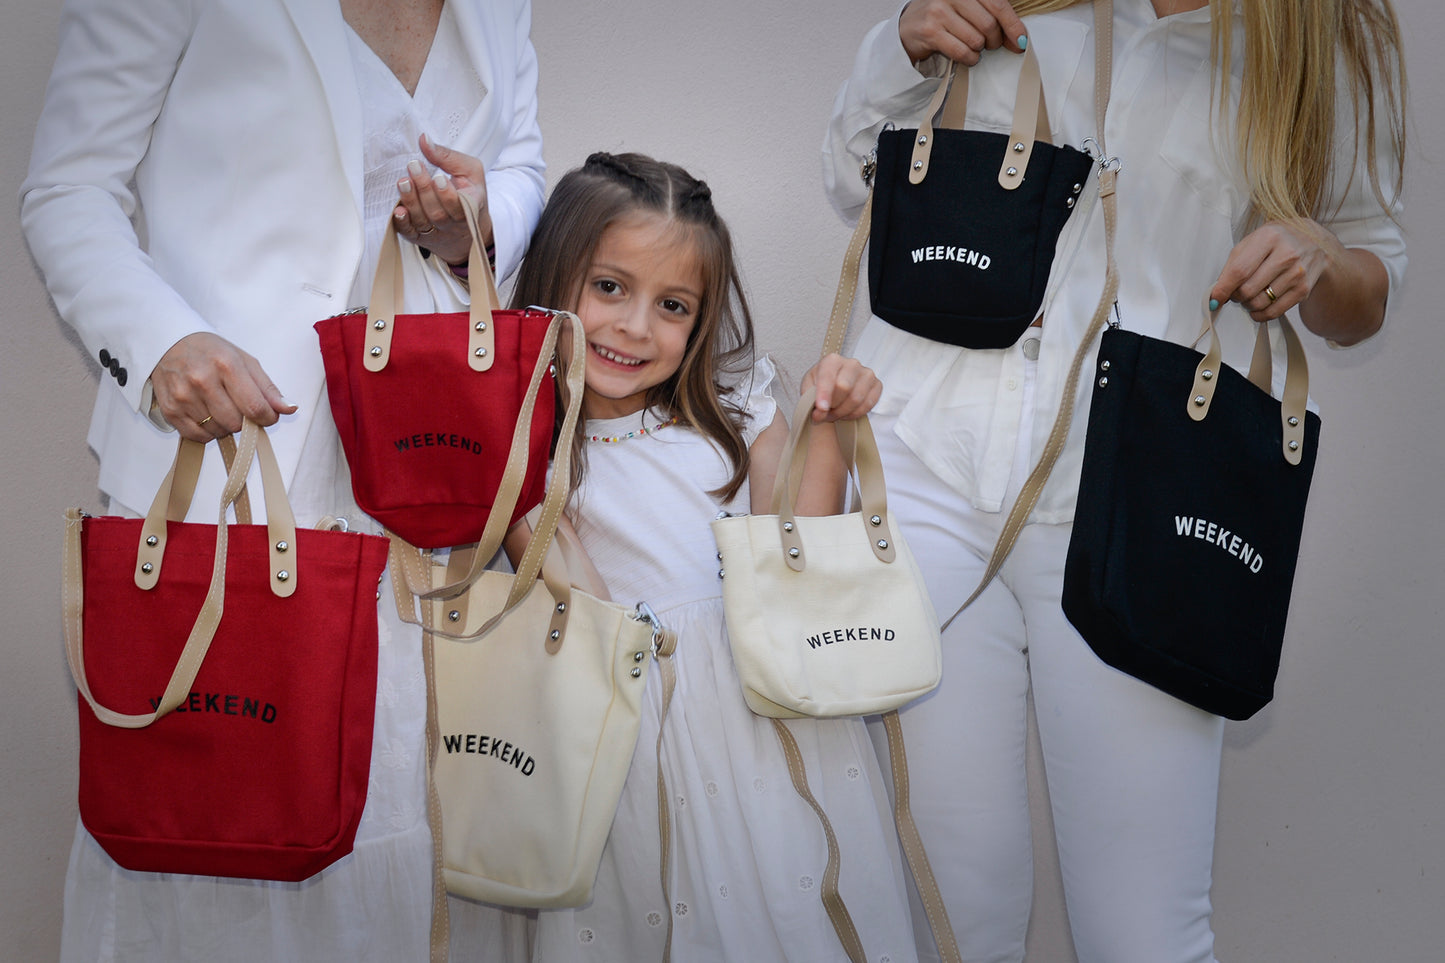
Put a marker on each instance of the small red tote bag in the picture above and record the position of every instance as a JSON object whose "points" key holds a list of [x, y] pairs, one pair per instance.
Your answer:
{"points": [[426, 403], [226, 677]]}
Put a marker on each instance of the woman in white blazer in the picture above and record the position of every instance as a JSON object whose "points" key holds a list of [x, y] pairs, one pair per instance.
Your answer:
{"points": [[220, 172]]}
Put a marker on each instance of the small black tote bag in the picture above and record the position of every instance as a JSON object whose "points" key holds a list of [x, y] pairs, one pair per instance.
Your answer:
{"points": [[1187, 528], [965, 222]]}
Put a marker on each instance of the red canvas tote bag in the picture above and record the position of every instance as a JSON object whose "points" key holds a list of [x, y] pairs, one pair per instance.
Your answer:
{"points": [[426, 403], [226, 677]]}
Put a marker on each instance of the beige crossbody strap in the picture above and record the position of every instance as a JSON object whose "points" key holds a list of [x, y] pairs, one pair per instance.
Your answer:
{"points": [[440, 914], [1108, 172], [832, 899]]}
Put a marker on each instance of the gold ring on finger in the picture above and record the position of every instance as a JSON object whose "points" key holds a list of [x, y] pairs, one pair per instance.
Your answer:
{"points": [[203, 421], [1269, 293]]}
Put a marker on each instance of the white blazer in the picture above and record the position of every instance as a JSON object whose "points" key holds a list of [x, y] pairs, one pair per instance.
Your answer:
{"points": [[230, 132]]}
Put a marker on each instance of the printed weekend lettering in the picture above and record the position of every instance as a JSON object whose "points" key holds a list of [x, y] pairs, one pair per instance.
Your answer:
{"points": [[224, 704], [861, 633], [961, 255], [441, 439], [479, 745], [1219, 536]]}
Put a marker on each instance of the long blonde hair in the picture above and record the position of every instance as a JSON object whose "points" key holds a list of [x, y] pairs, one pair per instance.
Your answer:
{"points": [[1286, 121]]}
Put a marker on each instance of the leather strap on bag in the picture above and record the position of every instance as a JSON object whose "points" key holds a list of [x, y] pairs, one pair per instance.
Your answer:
{"points": [[282, 528]]}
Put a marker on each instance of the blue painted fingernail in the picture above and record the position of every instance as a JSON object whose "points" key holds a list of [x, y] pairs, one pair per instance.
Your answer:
{"points": [[1213, 304], [1023, 42]]}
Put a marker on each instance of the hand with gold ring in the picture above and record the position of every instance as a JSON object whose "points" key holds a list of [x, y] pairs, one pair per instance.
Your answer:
{"points": [[204, 385], [1275, 267], [429, 208]]}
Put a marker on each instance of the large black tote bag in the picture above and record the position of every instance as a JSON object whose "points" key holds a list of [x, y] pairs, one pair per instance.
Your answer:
{"points": [[1187, 529]]}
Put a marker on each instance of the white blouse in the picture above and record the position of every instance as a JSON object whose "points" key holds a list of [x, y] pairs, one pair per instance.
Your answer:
{"points": [[1183, 205]]}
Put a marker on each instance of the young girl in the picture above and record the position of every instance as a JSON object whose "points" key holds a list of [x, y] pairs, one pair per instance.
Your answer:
{"points": [[636, 248]]}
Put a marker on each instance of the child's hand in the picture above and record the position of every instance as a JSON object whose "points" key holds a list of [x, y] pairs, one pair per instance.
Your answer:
{"points": [[846, 389]]}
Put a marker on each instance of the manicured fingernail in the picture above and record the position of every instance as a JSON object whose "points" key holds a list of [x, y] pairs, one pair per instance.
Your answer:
{"points": [[415, 168], [404, 185], [1023, 42], [1213, 304], [399, 214], [440, 180]]}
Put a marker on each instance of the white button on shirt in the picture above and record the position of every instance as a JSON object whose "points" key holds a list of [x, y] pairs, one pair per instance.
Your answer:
{"points": [[1183, 205]]}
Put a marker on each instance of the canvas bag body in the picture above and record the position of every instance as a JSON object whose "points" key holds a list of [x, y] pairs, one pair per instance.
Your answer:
{"points": [[960, 249], [425, 404], [845, 628], [534, 745], [1186, 532], [261, 770]]}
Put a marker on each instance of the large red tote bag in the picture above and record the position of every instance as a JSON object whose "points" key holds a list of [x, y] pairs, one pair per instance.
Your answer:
{"points": [[227, 679], [426, 403]]}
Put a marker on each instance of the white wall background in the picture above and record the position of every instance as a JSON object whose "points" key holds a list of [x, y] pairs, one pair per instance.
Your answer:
{"points": [[1331, 844]]}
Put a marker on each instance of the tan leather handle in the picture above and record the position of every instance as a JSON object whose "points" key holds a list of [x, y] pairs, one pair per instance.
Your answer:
{"points": [[1030, 121], [387, 290], [254, 444], [860, 451], [1296, 379]]}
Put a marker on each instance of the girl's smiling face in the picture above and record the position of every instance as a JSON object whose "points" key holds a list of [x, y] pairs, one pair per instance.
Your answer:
{"points": [[639, 303]]}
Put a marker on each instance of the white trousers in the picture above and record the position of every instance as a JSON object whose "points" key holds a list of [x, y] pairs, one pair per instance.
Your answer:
{"points": [[1133, 774]]}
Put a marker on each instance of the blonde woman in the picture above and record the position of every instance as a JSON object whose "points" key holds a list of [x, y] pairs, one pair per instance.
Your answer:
{"points": [[1261, 143]]}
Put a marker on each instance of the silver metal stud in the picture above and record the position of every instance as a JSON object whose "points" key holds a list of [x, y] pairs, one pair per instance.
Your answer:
{"points": [[636, 672], [1069, 203], [1294, 446], [1199, 401], [793, 553], [481, 325], [1019, 148], [1207, 374], [283, 546], [480, 352], [787, 526], [1104, 382], [561, 607], [719, 556], [918, 165], [638, 656], [875, 520], [1293, 421], [152, 541], [147, 568], [454, 616], [922, 139], [883, 544], [376, 351], [379, 324], [1078, 187], [1012, 172], [554, 635], [722, 573], [283, 576], [1104, 365]]}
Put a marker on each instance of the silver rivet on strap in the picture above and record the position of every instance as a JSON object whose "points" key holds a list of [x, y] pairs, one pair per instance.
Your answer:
{"points": [[875, 521], [883, 544], [481, 325], [918, 165], [636, 672], [1199, 401], [787, 527], [1019, 148], [638, 656], [793, 553], [1294, 446], [481, 352], [1104, 382], [1293, 421], [147, 568], [922, 139], [1206, 374], [554, 635], [1104, 365], [283, 546], [454, 616], [152, 541], [376, 351], [1069, 203], [1012, 172], [283, 576], [379, 324], [561, 607]]}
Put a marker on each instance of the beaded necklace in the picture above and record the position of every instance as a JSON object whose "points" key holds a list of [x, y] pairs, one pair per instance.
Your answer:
{"points": [[613, 439]]}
